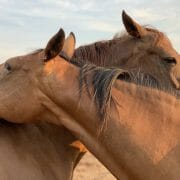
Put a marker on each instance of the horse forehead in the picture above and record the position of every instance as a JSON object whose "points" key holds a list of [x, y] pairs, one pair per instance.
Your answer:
{"points": [[162, 46], [55, 65], [30, 59], [18, 59], [165, 44]]}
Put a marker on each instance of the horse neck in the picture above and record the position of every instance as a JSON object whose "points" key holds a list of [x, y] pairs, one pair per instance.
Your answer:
{"points": [[64, 102], [124, 133], [109, 53], [148, 130], [42, 151]]}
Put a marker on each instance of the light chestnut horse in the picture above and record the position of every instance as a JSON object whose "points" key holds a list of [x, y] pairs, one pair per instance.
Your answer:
{"points": [[140, 137], [37, 152], [108, 53], [29, 152]]}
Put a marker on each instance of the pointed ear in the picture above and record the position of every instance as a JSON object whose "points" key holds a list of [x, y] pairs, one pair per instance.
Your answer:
{"points": [[132, 27], [55, 45], [69, 45]]}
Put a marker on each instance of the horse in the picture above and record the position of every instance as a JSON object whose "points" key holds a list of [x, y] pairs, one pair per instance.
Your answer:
{"points": [[141, 49], [37, 152], [139, 129], [39, 155], [121, 51]]}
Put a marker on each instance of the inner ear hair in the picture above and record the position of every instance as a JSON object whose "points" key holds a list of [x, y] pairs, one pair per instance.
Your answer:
{"points": [[55, 45]]}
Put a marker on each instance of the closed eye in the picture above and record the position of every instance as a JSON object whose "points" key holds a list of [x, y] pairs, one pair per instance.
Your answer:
{"points": [[170, 60]]}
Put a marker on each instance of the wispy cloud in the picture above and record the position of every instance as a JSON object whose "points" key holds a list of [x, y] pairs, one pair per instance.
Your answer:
{"points": [[101, 26], [29, 24]]}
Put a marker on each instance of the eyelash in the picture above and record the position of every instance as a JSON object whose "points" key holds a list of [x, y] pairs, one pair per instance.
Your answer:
{"points": [[170, 60]]}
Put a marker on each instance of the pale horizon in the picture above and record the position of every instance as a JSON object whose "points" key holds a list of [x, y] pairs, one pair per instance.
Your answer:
{"points": [[26, 26]]}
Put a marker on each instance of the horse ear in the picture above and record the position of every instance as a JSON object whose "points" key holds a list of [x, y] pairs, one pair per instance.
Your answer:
{"points": [[69, 45], [132, 27], [55, 45]]}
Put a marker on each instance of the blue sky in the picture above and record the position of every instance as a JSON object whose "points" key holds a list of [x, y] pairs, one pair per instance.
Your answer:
{"points": [[28, 25]]}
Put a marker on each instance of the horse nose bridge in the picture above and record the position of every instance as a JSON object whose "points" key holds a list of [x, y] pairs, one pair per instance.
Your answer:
{"points": [[178, 60], [2, 93], [175, 77], [178, 77], [1, 68]]}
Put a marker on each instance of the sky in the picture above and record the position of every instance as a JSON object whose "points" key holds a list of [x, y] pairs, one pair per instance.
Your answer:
{"points": [[28, 25]]}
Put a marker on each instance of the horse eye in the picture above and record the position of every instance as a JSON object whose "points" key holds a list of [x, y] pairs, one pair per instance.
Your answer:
{"points": [[7, 66], [170, 60]]}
